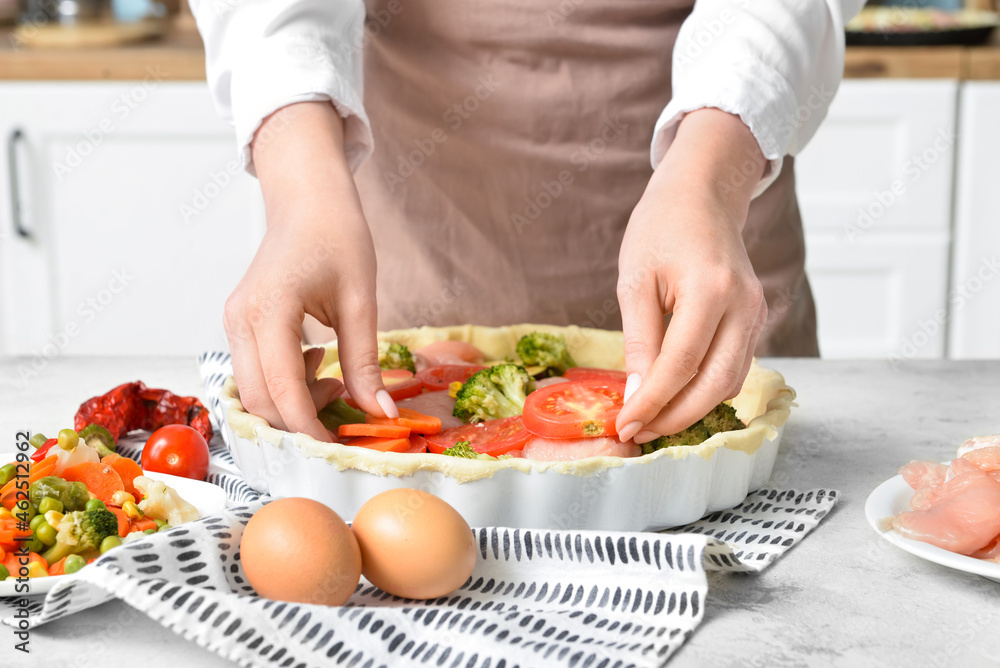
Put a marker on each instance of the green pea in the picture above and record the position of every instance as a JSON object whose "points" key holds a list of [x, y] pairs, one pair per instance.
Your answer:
{"points": [[36, 521], [24, 511], [46, 533], [68, 439], [34, 545], [37, 440], [4, 573], [149, 531], [165, 527], [95, 504], [73, 563], [48, 503], [7, 473], [110, 542], [159, 523]]}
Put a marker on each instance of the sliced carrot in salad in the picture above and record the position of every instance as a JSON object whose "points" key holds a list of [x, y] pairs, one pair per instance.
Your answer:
{"points": [[418, 423], [123, 522], [377, 430], [36, 471], [127, 469], [382, 444], [101, 480], [58, 568]]}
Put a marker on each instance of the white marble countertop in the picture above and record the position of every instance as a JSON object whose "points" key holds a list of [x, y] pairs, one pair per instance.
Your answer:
{"points": [[844, 597]]}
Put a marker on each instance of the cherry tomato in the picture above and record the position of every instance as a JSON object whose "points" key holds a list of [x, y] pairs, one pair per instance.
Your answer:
{"points": [[400, 383], [578, 409], [178, 450], [590, 373], [441, 376], [493, 437]]}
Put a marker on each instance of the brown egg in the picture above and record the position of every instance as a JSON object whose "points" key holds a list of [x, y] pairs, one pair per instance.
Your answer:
{"points": [[413, 544], [299, 550]]}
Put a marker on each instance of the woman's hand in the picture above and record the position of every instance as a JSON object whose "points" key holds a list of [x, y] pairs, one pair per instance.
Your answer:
{"points": [[683, 255], [317, 257]]}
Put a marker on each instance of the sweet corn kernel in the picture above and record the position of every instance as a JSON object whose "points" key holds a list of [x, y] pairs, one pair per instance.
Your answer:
{"points": [[453, 389], [54, 517], [36, 570], [132, 510], [5, 514], [121, 497]]}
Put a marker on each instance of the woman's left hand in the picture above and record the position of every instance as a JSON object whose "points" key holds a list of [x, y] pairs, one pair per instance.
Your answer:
{"points": [[683, 254]]}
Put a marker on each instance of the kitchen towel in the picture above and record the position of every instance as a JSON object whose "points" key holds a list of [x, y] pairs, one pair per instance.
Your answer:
{"points": [[546, 597]]}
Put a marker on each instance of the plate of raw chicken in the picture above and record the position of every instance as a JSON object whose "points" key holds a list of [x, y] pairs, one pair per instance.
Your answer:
{"points": [[947, 513]]}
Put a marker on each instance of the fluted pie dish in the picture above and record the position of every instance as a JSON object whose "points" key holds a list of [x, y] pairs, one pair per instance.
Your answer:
{"points": [[669, 487]]}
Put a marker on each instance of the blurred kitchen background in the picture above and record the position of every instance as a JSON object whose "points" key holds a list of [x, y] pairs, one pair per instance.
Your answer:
{"points": [[120, 193]]}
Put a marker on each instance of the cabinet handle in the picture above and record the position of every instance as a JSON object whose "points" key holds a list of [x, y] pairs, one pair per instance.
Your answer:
{"points": [[15, 136]]}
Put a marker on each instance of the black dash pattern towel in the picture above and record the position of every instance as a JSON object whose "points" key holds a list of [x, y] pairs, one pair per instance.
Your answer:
{"points": [[546, 597]]}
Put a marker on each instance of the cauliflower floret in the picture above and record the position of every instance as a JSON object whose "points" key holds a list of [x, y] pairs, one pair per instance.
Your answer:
{"points": [[164, 503]]}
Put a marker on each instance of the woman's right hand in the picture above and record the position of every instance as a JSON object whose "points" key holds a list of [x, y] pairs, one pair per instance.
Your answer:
{"points": [[316, 258]]}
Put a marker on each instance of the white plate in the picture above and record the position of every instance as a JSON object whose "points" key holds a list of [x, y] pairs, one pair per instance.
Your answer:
{"points": [[206, 497], [893, 497]]}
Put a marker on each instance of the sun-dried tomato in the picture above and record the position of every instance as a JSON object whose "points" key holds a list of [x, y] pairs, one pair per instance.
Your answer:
{"points": [[134, 406]]}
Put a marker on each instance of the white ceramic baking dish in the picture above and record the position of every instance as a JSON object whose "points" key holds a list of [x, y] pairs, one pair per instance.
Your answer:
{"points": [[667, 488]]}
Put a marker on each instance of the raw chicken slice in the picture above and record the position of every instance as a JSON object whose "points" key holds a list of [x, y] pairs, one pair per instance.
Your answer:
{"points": [[977, 442], [985, 459], [965, 516], [991, 552], [438, 404], [923, 474], [447, 352], [566, 449]]}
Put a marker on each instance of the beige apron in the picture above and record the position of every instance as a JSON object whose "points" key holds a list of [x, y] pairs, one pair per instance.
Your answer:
{"points": [[511, 145]]}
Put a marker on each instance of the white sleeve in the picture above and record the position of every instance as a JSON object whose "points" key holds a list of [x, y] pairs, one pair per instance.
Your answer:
{"points": [[262, 55], [776, 64]]}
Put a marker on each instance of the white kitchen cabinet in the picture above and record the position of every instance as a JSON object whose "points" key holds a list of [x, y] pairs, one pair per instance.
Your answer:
{"points": [[875, 188], [975, 279], [135, 219]]}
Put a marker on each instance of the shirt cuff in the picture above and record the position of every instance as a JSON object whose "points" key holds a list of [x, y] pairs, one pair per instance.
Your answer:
{"points": [[762, 99], [270, 78]]}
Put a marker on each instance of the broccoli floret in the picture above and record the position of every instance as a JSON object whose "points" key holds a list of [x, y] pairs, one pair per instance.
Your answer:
{"points": [[339, 412], [72, 495], [495, 392], [463, 450], [544, 349], [98, 438], [395, 356], [721, 418], [82, 531]]}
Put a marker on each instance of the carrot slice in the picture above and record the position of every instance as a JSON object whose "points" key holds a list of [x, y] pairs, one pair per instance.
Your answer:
{"points": [[13, 561], [58, 568], [127, 469], [142, 524], [123, 521], [101, 480], [378, 430], [382, 444], [417, 422], [36, 471]]}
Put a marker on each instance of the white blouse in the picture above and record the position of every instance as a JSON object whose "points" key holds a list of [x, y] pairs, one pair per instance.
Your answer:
{"points": [[774, 63]]}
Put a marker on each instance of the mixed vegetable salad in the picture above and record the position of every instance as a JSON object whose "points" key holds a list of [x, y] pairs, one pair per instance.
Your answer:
{"points": [[540, 405], [76, 499]]}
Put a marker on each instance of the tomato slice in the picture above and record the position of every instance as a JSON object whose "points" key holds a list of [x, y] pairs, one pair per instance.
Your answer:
{"points": [[493, 437], [418, 423], [578, 409], [381, 444], [591, 373], [400, 383], [440, 377]]}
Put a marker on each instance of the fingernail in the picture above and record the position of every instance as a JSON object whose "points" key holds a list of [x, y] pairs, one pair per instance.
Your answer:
{"points": [[387, 404], [631, 385], [645, 437], [629, 430]]}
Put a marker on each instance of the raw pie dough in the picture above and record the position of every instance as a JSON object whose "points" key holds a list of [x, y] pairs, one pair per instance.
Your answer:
{"points": [[765, 398]]}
